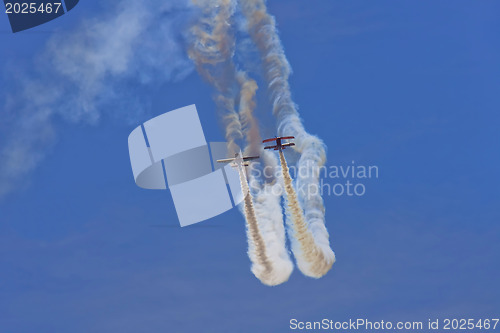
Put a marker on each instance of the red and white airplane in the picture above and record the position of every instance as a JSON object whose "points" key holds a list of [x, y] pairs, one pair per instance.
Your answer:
{"points": [[280, 146], [238, 160]]}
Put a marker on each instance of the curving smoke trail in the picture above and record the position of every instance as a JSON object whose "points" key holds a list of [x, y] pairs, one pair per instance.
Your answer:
{"points": [[262, 29], [266, 196], [310, 258], [250, 127], [212, 50]]}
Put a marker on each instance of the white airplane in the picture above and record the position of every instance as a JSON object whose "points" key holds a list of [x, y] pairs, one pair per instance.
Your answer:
{"points": [[238, 160]]}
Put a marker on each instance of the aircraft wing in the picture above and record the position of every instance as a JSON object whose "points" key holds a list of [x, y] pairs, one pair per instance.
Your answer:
{"points": [[269, 140], [271, 147], [250, 158], [282, 138], [227, 160]]}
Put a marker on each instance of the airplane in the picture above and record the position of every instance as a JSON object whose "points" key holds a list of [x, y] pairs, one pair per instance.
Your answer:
{"points": [[279, 146], [238, 160]]}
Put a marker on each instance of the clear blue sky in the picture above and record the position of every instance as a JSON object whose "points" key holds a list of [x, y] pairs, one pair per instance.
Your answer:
{"points": [[411, 87]]}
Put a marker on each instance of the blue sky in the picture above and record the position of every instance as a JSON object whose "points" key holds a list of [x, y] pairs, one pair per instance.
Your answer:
{"points": [[411, 87]]}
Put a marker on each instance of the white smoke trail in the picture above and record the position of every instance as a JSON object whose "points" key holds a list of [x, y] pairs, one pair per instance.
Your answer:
{"points": [[262, 267], [266, 196], [211, 50], [267, 203], [250, 127], [310, 258], [262, 29]]}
